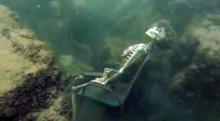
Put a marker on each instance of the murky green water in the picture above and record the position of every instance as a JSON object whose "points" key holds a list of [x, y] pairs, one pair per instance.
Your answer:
{"points": [[180, 83]]}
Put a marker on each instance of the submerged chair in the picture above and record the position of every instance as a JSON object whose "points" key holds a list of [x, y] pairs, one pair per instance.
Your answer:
{"points": [[100, 97], [110, 92]]}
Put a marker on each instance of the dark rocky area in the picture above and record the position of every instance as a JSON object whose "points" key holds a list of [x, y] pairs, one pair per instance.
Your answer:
{"points": [[36, 93]]}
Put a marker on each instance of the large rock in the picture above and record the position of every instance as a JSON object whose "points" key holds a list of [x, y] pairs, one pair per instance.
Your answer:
{"points": [[21, 53], [29, 80], [56, 112], [196, 88], [206, 30]]}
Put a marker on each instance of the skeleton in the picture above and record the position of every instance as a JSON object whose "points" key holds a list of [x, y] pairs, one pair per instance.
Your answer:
{"points": [[131, 55]]}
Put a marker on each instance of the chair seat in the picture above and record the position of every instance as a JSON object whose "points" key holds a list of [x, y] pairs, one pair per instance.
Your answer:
{"points": [[101, 94]]}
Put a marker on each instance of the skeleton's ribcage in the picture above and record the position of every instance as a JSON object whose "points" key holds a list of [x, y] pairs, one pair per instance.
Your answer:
{"points": [[134, 55]]}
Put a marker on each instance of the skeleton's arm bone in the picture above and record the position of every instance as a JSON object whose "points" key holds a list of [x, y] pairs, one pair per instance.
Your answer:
{"points": [[112, 78]]}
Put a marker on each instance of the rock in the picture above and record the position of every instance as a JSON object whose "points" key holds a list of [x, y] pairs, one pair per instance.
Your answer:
{"points": [[32, 49], [196, 87], [36, 92], [206, 30], [29, 80], [14, 63], [55, 111]]}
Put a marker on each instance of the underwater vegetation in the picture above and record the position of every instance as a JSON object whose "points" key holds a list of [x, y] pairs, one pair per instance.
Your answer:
{"points": [[22, 56], [29, 80], [45, 43]]}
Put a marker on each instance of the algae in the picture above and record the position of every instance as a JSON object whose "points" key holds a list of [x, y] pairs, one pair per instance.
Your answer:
{"points": [[28, 78], [13, 65], [55, 111], [206, 32]]}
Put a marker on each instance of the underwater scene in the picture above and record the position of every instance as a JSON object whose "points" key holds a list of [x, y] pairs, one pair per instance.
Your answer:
{"points": [[109, 60]]}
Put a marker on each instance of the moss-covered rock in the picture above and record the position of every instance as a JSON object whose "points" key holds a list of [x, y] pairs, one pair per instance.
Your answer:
{"points": [[32, 49], [29, 80], [206, 31], [21, 54], [55, 111], [195, 89], [36, 92]]}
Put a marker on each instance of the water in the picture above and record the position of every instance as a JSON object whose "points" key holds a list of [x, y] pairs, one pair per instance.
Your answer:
{"points": [[181, 81]]}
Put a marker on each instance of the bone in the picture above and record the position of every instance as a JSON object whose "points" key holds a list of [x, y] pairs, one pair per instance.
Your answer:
{"points": [[133, 51], [130, 53], [126, 60]]}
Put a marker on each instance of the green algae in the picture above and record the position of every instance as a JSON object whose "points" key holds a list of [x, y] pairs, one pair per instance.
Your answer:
{"points": [[14, 65]]}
